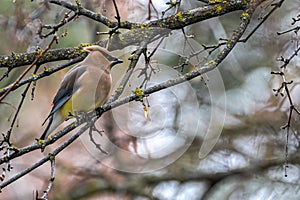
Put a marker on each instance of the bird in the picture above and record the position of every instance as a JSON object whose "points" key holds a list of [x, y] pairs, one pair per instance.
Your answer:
{"points": [[85, 87]]}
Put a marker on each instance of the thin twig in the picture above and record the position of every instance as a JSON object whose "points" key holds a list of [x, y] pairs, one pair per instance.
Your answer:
{"points": [[46, 72], [92, 15], [5, 75], [171, 4], [284, 88], [144, 71], [66, 19], [296, 29], [46, 158], [134, 60], [23, 95], [117, 13], [244, 40], [276, 6], [26, 89], [51, 180], [97, 145], [150, 3]]}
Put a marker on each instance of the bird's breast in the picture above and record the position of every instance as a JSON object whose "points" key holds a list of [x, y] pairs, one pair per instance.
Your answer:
{"points": [[93, 91]]}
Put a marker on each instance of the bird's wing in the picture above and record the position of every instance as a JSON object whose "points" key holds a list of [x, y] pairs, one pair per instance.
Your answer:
{"points": [[67, 88]]}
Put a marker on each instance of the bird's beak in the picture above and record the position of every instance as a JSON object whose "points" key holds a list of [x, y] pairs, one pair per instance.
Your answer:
{"points": [[117, 61]]}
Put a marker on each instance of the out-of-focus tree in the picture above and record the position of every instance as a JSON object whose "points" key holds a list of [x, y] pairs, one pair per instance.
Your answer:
{"points": [[205, 105]]}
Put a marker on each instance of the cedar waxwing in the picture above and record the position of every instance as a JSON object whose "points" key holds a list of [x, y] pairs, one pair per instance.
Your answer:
{"points": [[84, 88]]}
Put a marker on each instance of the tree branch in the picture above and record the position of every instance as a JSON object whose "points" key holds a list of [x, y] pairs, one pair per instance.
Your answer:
{"points": [[135, 36], [46, 72], [80, 10], [209, 66]]}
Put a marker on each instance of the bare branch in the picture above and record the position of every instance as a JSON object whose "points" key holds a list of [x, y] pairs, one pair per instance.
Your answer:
{"points": [[134, 60], [46, 72], [66, 19], [45, 159], [134, 37], [140, 35], [54, 39], [80, 10], [51, 180]]}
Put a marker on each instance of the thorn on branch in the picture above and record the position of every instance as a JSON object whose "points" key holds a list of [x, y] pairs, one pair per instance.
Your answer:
{"points": [[295, 29], [33, 90], [279, 90]]}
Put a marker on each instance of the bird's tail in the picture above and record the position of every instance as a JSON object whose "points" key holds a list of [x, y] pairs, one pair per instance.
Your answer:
{"points": [[54, 121]]}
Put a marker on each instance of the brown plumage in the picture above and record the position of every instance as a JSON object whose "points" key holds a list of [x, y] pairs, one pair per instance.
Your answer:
{"points": [[84, 88]]}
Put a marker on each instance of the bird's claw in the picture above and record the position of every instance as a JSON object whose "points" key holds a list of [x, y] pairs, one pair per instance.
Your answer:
{"points": [[81, 115]]}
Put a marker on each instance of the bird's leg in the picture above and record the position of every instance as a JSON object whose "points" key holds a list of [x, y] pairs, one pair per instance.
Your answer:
{"points": [[76, 115], [84, 116], [70, 115], [81, 115]]}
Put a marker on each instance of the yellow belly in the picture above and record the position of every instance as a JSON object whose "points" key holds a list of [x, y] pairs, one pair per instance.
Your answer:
{"points": [[85, 100]]}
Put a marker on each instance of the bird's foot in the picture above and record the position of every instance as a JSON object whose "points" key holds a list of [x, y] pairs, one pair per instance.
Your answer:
{"points": [[81, 115], [70, 115]]}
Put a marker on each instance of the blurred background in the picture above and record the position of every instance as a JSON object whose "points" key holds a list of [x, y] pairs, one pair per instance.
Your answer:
{"points": [[215, 137]]}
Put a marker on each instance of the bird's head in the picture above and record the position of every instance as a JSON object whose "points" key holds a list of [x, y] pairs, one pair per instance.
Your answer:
{"points": [[102, 55]]}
